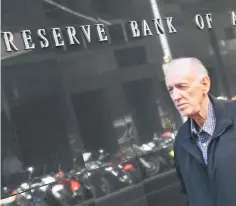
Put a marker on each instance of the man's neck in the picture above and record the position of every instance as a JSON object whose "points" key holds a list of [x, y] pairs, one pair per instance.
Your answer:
{"points": [[202, 115]]}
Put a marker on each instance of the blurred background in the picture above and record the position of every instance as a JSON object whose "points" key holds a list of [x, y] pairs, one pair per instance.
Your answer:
{"points": [[93, 124]]}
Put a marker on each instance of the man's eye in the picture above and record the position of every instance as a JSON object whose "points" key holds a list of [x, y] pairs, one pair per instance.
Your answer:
{"points": [[170, 90], [183, 87]]}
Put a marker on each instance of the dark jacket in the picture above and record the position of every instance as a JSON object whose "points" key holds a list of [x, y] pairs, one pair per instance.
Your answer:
{"points": [[213, 184]]}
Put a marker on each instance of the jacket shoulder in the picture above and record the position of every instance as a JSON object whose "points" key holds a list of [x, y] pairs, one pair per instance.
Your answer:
{"points": [[182, 132], [229, 102], [230, 106]]}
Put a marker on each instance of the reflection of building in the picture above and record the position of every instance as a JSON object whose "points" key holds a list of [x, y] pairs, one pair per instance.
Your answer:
{"points": [[59, 102], [111, 85], [122, 78]]}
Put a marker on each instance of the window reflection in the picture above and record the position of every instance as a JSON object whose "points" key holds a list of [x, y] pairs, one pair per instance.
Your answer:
{"points": [[24, 198], [94, 125], [125, 130], [102, 140]]}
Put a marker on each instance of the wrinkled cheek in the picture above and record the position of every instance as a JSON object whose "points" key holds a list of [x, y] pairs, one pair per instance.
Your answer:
{"points": [[195, 108], [183, 112], [186, 112]]}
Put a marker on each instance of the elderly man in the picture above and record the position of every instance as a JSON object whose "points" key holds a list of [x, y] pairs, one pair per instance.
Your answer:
{"points": [[205, 146]]}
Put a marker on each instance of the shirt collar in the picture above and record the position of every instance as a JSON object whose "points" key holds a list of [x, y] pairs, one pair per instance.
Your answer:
{"points": [[210, 120]]}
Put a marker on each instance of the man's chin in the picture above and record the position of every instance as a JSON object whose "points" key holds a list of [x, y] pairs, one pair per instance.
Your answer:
{"points": [[185, 113]]}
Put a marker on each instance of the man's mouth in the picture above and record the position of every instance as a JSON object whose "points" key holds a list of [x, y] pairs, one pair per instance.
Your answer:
{"points": [[180, 106]]}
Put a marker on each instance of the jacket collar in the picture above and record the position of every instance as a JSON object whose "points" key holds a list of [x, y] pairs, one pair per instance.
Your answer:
{"points": [[209, 124], [223, 118]]}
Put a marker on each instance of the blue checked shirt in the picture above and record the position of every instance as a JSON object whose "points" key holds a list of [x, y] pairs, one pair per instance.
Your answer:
{"points": [[205, 133]]}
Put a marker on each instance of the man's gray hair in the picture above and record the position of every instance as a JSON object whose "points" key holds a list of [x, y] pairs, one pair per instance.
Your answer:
{"points": [[190, 62]]}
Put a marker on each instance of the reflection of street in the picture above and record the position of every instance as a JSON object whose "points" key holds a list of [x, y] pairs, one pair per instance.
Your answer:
{"points": [[112, 98], [102, 174], [123, 195]]}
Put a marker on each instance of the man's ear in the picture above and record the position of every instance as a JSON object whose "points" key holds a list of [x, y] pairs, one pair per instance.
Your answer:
{"points": [[206, 84]]}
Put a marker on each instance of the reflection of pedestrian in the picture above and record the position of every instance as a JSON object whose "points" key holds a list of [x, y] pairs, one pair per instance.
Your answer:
{"points": [[205, 146]]}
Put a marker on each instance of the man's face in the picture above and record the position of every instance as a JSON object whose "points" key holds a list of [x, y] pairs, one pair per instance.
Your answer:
{"points": [[186, 91]]}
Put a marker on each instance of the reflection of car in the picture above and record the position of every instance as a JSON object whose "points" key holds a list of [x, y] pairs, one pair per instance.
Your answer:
{"points": [[148, 158], [157, 155], [19, 197], [105, 176], [108, 179], [165, 140], [165, 144]]}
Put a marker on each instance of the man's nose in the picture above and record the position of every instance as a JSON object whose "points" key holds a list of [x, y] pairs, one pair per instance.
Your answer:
{"points": [[176, 95]]}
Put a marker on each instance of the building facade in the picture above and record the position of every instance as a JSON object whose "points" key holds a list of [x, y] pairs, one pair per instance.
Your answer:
{"points": [[95, 117]]}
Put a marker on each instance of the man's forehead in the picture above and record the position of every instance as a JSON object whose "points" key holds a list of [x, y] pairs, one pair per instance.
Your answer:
{"points": [[180, 66], [179, 75]]}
